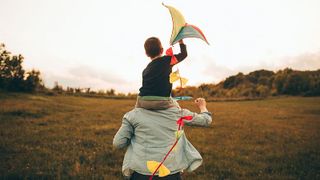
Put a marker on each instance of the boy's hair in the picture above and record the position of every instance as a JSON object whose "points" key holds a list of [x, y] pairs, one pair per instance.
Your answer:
{"points": [[153, 47]]}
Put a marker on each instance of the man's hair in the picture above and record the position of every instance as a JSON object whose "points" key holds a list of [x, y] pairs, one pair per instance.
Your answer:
{"points": [[153, 47]]}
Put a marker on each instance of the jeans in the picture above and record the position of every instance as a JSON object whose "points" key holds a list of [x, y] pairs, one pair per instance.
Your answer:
{"points": [[137, 176]]}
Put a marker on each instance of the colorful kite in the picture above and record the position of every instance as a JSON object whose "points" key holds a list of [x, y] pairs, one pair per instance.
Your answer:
{"points": [[181, 29]]}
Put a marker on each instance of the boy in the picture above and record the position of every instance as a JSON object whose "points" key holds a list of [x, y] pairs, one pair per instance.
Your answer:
{"points": [[156, 87]]}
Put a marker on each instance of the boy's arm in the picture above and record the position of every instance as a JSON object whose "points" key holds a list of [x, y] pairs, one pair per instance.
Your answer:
{"points": [[183, 52], [124, 134]]}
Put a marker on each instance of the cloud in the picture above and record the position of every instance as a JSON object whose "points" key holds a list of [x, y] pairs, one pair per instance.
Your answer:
{"points": [[88, 72], [306, 61], [86, 76], [218, 72]]}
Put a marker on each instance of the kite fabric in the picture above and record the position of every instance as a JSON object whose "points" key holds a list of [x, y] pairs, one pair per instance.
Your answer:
{"points": [[174, 60], [163, 170], [181, 29], [175, 76]]}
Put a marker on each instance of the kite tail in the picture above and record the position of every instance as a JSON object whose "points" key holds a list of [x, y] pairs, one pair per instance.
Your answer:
{"points": [[175, 143], [180, 123]]}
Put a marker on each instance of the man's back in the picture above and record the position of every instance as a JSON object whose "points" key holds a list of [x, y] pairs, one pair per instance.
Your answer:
{"points": [[150, 134]]}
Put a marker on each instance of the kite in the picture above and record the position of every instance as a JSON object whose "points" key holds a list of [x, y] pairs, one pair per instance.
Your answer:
{"points": [[175, 76], [181, 29]]}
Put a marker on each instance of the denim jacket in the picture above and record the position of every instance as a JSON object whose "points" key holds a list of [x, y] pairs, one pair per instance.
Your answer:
{"points": [[149, 134]]}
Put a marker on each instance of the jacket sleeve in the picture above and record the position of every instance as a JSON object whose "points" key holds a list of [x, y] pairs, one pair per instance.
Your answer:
{"points": [[183, 53], [201, 119], [124, 134]]}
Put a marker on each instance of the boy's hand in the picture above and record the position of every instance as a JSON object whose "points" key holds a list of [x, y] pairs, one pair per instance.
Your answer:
{"points": [[202, 104]]}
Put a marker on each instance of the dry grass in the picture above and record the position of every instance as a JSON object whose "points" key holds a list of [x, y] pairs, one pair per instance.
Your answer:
{"points": [[71, 137]]}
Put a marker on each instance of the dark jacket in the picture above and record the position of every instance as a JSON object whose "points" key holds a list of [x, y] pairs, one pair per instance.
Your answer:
{"points": [[155, 77]]}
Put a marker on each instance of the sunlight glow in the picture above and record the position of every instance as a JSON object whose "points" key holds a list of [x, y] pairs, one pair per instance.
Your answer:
{"points": [[100, 44]]}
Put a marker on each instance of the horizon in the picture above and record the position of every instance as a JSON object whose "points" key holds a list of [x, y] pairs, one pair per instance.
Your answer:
{"points": [[84, 45], [83, 89]]}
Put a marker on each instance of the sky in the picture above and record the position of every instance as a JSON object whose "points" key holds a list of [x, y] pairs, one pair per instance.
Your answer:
{"points": [[99, 43]]}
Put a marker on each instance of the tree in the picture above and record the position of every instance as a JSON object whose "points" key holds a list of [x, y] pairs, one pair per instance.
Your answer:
{"points": [[33, 81], [70, 90], [233, 81], [111, 92], [11, 71], [296, 83], [260, 76], [57, 88], [314, 84], [262, 91], [12, 75], [3, 56], [279, 81]]}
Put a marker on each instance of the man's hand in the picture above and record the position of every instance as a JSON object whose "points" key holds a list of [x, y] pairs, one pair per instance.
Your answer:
{"points": [[202, 104]]}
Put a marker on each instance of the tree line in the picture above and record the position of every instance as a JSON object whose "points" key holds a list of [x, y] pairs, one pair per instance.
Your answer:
{"points": [[256, 84], [260, 83], [14, 78]]}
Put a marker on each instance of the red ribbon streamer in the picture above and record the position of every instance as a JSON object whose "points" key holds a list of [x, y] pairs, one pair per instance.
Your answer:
{"points": [[174, 60], [180, 123]]}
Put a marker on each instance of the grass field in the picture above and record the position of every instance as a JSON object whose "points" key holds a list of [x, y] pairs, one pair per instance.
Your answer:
{"points": [[71, 137]]}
